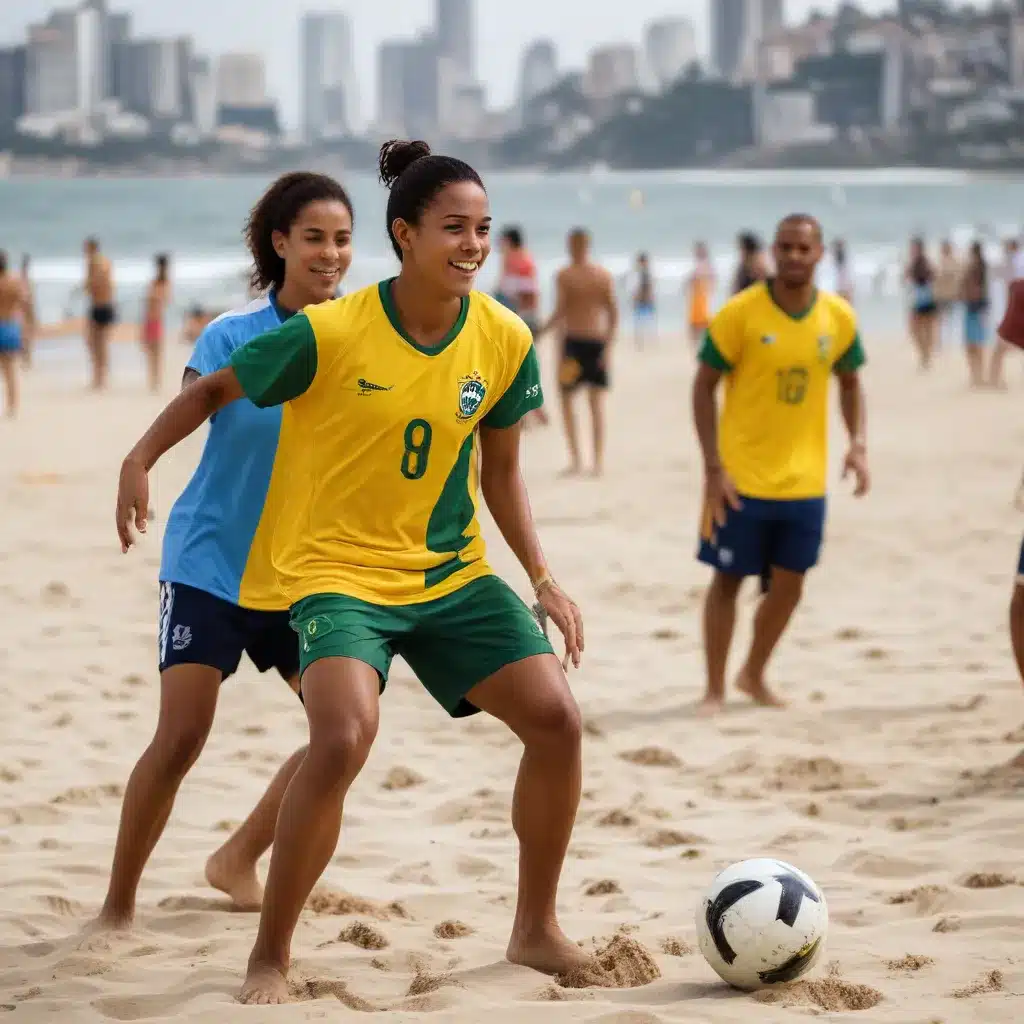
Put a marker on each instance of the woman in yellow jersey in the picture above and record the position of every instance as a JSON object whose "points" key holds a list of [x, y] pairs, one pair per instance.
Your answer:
{"points": [[216, 600], [386, 395]]}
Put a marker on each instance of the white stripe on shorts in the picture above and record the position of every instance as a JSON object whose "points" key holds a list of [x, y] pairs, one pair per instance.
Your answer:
{"points": [[166, 607]]}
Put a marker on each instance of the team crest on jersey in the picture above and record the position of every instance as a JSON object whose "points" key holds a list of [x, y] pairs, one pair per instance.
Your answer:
{"points": [[824, 347], [472, 390]]}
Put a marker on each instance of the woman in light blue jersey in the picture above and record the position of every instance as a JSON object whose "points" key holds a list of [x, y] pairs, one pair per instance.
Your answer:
{"points": [[218, 597]]}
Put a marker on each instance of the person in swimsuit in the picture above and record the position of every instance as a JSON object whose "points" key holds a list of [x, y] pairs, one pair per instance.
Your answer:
{"points": [[644, 310], [157, 296], [701, 286], [974, 291], [588, 315], [13, 304], [399, 383], [99, 289], [519, 290], [924, 309], [219, 596], [1012, 270], [751, 268]]}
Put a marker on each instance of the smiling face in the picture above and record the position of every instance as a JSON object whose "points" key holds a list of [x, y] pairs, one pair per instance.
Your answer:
{"points": [[452, 239], [317, 251]]}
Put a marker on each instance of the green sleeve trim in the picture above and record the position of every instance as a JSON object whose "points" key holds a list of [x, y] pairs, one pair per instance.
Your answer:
{"points": [[852, 359], [522, 395], [279, 365], [711, 355]]}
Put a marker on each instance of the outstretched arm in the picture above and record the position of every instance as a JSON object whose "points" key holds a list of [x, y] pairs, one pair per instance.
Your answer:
{"points": [[501, 480]]}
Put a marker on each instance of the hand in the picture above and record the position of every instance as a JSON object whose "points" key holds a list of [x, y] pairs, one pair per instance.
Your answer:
{"points": [[132, 497], [565, 614], [856, 462], [720, 495]]}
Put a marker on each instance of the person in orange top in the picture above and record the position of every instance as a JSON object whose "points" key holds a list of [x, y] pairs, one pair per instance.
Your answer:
{"points": [[701, 287]]}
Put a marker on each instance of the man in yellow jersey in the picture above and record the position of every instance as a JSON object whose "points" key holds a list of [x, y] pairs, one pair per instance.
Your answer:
{"points": [[777, 345]]}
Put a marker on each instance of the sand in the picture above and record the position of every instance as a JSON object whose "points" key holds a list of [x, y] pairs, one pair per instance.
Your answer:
{"points": [[882, 781]]}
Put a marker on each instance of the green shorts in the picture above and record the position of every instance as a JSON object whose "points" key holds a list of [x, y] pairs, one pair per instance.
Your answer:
{"points": [[451, 644]]}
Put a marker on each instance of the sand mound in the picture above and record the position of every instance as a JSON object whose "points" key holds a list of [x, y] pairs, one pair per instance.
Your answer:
{"points": [[363, 935], [622, 963], [831, 994], [452, 930], [342, 904]]}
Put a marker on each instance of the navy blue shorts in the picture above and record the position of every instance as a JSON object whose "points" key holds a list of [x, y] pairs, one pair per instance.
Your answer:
{"points": [[197, 628], [762, 534]]}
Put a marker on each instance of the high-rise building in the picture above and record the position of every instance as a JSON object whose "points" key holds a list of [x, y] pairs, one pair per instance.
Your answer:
{"points": [[329, 100], [420, 87], [12, 87], [241, 80], [390, 87], [64, 57], [737, 28], [455, 26], [148, 76], [670, 47], [611, 71], [538, 72]]}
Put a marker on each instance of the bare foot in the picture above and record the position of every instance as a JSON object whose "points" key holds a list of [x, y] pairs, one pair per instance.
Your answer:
{"points": [[549, 951], [264, 986], [758, 692], [710, 706], [597, 472], [105, 924], [237, 879], [570, 471]]}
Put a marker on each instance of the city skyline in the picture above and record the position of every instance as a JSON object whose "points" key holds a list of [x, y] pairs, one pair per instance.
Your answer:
{"points": [[500, 35]]}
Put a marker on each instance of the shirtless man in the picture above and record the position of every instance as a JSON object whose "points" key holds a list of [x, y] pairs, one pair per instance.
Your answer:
{"points": [[99, 287], [588, 315], [13, 305]]}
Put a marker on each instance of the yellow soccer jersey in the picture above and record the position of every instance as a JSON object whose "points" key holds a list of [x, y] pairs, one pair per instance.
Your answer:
{"points": [[773, 432], [376, 450]]}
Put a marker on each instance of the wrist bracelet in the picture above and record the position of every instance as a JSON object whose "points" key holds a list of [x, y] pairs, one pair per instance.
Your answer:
{"points": [[542, 584]]}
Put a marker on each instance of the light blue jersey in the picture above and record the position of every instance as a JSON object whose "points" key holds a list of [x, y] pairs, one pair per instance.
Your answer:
{"points": [[212, 526]]}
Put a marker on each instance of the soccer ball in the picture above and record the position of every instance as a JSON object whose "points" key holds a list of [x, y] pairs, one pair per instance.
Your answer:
{"points": [[761, 922]]}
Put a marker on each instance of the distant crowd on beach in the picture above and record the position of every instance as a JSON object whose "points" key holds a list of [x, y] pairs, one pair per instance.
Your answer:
{"points": [[943, 289]]}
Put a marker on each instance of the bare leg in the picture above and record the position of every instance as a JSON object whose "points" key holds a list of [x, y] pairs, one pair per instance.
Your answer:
{"points": [[154, 364], [930, 329], [976, 365], [571, 433], [996, 374], [773, 614], [342, 706], [92, 346], [532, 697], [232, 868], [917, 337], [102, 357], [188, 700], [719, 622], [596, 397], [9, 369]]}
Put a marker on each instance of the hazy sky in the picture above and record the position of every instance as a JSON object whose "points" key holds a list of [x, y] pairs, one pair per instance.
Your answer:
{"points": [[503, 28]]}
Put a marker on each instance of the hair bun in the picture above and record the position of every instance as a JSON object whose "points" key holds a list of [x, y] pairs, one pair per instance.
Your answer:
{"points": [[396, 155]]}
